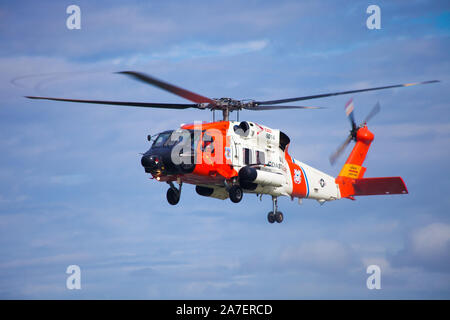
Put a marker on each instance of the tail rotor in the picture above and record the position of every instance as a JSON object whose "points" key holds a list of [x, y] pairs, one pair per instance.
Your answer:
{"points": [[349, 111]]}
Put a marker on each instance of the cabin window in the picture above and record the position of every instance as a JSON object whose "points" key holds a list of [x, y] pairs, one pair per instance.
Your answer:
{"points": [[247, 156], [260, 157]]}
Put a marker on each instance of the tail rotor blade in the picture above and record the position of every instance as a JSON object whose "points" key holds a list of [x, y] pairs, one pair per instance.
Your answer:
{"points": [[349, 107], [339, 150], [376, 109]]}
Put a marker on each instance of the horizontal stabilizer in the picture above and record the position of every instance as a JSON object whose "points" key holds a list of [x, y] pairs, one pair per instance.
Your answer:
{"points": [[379, 186]]}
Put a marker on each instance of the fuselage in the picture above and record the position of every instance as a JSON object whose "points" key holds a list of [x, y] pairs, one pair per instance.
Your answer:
{"points": [[215, 155]]}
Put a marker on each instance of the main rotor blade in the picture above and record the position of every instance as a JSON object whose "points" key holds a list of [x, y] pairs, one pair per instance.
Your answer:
{"points": [[339, 150], [194, 97], [261, 108], [123, 103], [376, 108], [342, 92]]}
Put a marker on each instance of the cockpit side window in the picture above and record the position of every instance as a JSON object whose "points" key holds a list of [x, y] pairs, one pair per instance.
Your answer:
{"points": [[176, 137]]}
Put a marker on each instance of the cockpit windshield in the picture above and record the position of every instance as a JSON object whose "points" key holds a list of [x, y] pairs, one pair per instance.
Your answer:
{"points": [[162, 139], [171, 138]]}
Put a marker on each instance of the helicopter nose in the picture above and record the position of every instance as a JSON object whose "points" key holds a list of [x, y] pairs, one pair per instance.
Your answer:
{"points": [[148, 161]]}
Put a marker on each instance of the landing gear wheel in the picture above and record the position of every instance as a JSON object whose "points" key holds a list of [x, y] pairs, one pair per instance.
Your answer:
{"points": [[173, 196], [236, 194], [279, 217], [275, 215], [271, 217]]}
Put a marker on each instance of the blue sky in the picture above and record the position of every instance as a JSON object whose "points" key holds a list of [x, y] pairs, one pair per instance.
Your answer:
{"points": [[72, 190]]}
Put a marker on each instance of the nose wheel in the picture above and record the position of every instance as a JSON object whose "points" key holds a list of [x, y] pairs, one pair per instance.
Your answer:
{"points": [[173, 194], [275, 215]]}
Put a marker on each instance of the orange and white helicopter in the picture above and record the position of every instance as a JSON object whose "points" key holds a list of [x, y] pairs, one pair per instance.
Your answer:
{"points": [[226, 159]]}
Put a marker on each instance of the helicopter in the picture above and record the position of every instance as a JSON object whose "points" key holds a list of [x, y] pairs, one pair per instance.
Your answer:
{"points": [[225, 159]]}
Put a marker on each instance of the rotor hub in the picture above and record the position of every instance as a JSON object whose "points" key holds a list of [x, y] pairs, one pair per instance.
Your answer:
{"points": [[227, 103]]}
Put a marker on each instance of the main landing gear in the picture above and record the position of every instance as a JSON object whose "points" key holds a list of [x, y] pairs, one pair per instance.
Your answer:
{"points": [[275, 215], [235, 193], [173, 193]]}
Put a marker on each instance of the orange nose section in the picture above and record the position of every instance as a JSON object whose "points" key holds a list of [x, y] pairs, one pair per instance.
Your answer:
{"points": [[364, 135]]}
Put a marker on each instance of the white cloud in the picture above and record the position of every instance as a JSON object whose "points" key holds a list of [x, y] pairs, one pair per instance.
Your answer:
{"points": [[382, 262], [195, 50], [427, 247], [46, 260], [431, 240], [320, 254]]}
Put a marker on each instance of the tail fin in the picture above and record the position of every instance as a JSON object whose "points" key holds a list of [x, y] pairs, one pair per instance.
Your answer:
{"points": [[350, 179]]}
